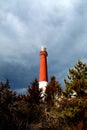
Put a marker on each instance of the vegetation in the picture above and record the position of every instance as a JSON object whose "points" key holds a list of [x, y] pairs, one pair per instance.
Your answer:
{"points": [[57, 110], [77, 80]]}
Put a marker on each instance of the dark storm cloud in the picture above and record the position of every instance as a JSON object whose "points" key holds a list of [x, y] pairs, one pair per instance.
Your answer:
{"points": [[25, 25]]}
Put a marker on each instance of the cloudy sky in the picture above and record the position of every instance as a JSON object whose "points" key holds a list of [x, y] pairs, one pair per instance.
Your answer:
{"points": [[26, 25]]}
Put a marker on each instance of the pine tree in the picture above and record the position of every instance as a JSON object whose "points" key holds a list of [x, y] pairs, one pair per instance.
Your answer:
{"points": [[77, 80], [34, 93], [53, 90]]}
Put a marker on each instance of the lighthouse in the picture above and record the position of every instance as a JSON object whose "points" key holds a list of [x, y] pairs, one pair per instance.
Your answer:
{"points": [[43, 74]]}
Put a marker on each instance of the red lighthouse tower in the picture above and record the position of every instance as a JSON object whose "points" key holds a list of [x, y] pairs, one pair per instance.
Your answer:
{"points": [[43, 75]]}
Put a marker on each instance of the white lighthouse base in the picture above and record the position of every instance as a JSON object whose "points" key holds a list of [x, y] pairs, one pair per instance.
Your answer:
{"points": [[42, 85]]}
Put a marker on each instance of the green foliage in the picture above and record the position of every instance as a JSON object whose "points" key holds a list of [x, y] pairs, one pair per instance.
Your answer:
{"points": [[7, 98], [6, 95], [53, 91], [56, 112], [34, 93], [77, 79]]}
